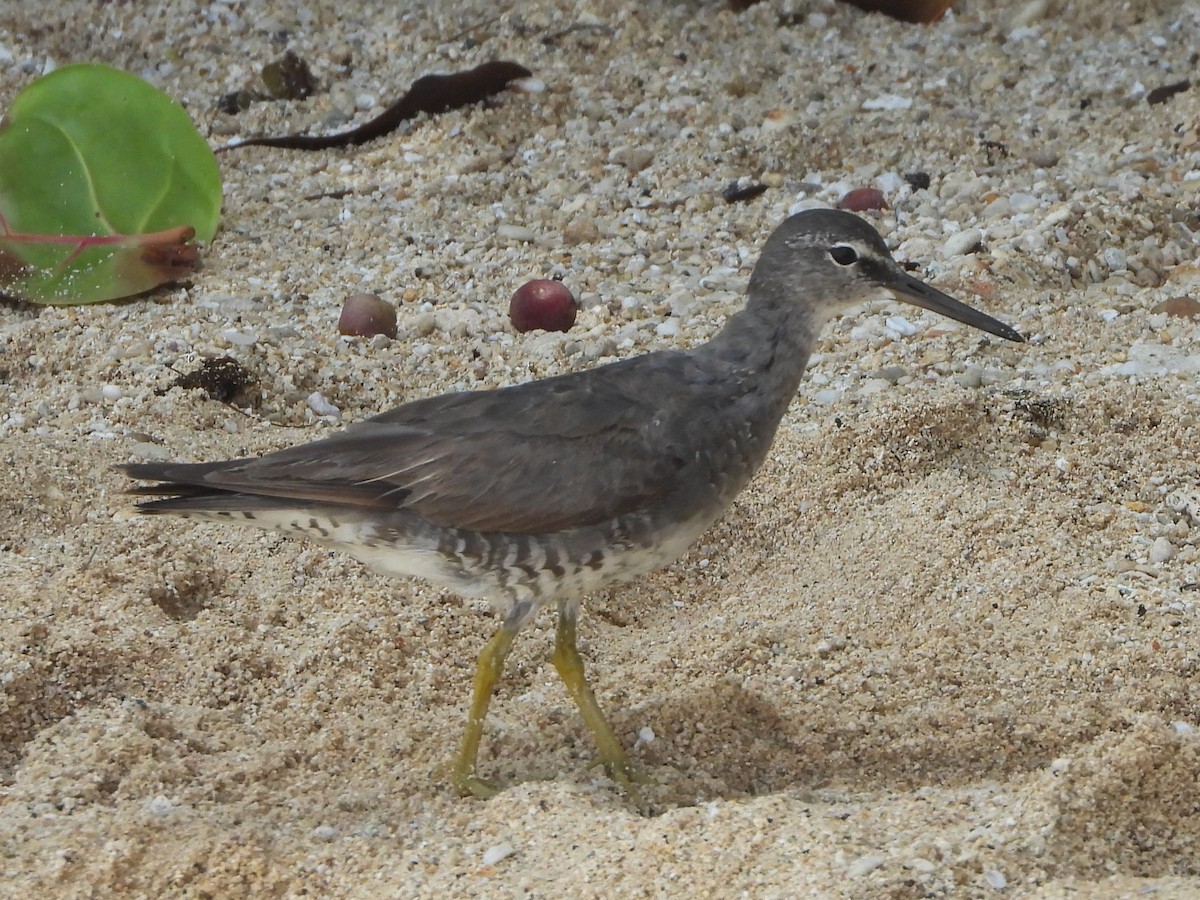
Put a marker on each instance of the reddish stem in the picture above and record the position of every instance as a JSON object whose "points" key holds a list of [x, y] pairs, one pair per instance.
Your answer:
{"points": [[171, 236]]}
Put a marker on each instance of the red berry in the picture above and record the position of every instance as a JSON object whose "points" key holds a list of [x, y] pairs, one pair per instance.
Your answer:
{"points": [[861, 199], [542, 304], [366, 315]]}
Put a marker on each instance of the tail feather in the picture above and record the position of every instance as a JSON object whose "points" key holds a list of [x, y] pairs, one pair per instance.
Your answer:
{"points": [[213, 503], [177, 474], [182, 491], [173, 488]]}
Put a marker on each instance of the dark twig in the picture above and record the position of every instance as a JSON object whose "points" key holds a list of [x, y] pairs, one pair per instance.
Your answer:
{"points": [[430, 93]]}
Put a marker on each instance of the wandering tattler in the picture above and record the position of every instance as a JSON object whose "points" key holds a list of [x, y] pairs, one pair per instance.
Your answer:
{"points": [[552, 489]]}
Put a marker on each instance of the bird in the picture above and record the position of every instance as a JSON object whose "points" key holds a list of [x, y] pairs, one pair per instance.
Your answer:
{"points": [[553, 489]]}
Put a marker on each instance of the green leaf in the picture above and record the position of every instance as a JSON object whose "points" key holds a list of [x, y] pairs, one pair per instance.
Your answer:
{"points": [[103, 180]]}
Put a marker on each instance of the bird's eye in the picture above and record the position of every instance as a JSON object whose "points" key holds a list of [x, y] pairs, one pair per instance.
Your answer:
{"points": [[843, 255]]}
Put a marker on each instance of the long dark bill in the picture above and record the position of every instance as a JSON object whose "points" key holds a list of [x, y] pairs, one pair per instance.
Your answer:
{"points": [[918, 293]]}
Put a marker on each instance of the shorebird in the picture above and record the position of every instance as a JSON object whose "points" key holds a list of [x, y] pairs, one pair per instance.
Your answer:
{"points": [[549, 490]]}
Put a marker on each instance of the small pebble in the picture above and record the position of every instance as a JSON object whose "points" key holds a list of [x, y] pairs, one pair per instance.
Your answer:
{"points": [[515, 232], [865, 864], [424, 324], [778, 120], [971, 377], [1118, 564], [830, 645], [1022, 202], [667, 329], [999, 208], [237, 101], [742, 189], [581, 230], [920, 181], [995, 879], [239, 338], [1162, 550], [890, 102], [146, 450], [633, 158], [966, 241], [1186, 501], [527, 85], [890, 183], [1115, 258], [321, 406], [1144, 358], [160, 806], [288, 78], [1043, 157], [497, 853], [324, 833], [1028, 14]]}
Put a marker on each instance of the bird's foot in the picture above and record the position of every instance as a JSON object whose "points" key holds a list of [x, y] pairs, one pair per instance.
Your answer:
{"points": [[628, 778], [468, 784], [625, 773]]}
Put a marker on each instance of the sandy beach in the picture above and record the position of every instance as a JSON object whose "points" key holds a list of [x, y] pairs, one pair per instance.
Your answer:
{"points": [[947, 644]]}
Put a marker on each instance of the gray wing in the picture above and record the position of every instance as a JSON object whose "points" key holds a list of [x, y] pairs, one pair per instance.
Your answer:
{"points": [[539, 457]]}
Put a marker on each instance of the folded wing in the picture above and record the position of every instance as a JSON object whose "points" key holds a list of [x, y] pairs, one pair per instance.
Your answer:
{"points": [[534, 458]]}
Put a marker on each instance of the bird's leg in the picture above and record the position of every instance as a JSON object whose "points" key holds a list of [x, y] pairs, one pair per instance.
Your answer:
{"points": [[570, 669], [488, 670]]}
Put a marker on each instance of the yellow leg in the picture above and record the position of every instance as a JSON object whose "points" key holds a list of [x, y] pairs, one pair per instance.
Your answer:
{"points": [[488, 670], [570, 669]]}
